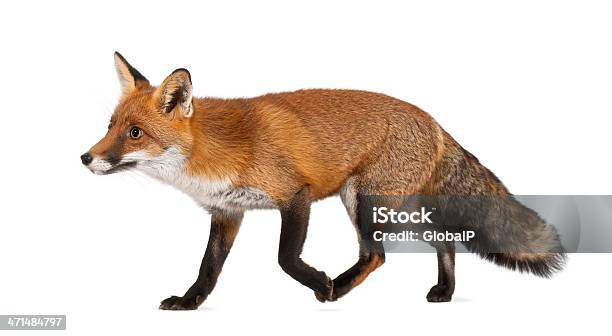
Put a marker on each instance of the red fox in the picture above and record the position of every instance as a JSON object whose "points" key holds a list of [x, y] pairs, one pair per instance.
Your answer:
{"points": [[287, 150]]}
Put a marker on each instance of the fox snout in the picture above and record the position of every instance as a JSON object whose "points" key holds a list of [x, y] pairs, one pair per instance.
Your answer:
{"points": [[96, 165], [101, 165]]}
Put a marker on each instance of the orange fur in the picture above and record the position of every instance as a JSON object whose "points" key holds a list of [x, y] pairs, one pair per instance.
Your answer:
{"points": [[279, 143]]}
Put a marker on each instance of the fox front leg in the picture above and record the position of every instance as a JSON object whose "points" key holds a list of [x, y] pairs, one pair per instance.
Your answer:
{"points": [[294, 216], [223, 229]]}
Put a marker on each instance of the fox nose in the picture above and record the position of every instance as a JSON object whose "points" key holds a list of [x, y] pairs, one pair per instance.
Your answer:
{"points": [[86, 158]]}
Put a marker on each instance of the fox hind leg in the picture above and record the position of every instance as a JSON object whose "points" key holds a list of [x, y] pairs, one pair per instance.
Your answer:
{"points": [[444, 289], [371, 252]]}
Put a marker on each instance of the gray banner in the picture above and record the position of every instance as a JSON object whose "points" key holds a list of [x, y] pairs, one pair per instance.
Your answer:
{"points": [[32, 322], [490, 224]]}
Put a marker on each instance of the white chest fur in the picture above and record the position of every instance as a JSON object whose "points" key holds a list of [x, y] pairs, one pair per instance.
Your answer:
{"points": [[218, 193]]}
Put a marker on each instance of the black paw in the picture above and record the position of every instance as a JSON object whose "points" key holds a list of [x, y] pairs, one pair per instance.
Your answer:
{"points": [[439, 293], [329, 292], [181, 303]]}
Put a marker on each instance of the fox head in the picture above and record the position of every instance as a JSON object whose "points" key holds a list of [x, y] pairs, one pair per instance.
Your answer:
{"points": [[148, 123]]}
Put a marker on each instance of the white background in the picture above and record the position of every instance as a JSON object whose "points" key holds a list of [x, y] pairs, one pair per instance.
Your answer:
{"points": [[524, 85]]}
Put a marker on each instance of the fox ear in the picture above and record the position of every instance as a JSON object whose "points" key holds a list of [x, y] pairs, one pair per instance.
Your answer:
{"points": [[129, 78], [175, 92]]}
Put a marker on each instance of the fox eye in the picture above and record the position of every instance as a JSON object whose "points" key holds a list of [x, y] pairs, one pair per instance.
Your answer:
{"points": [[110, 124], [135, 133]]}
